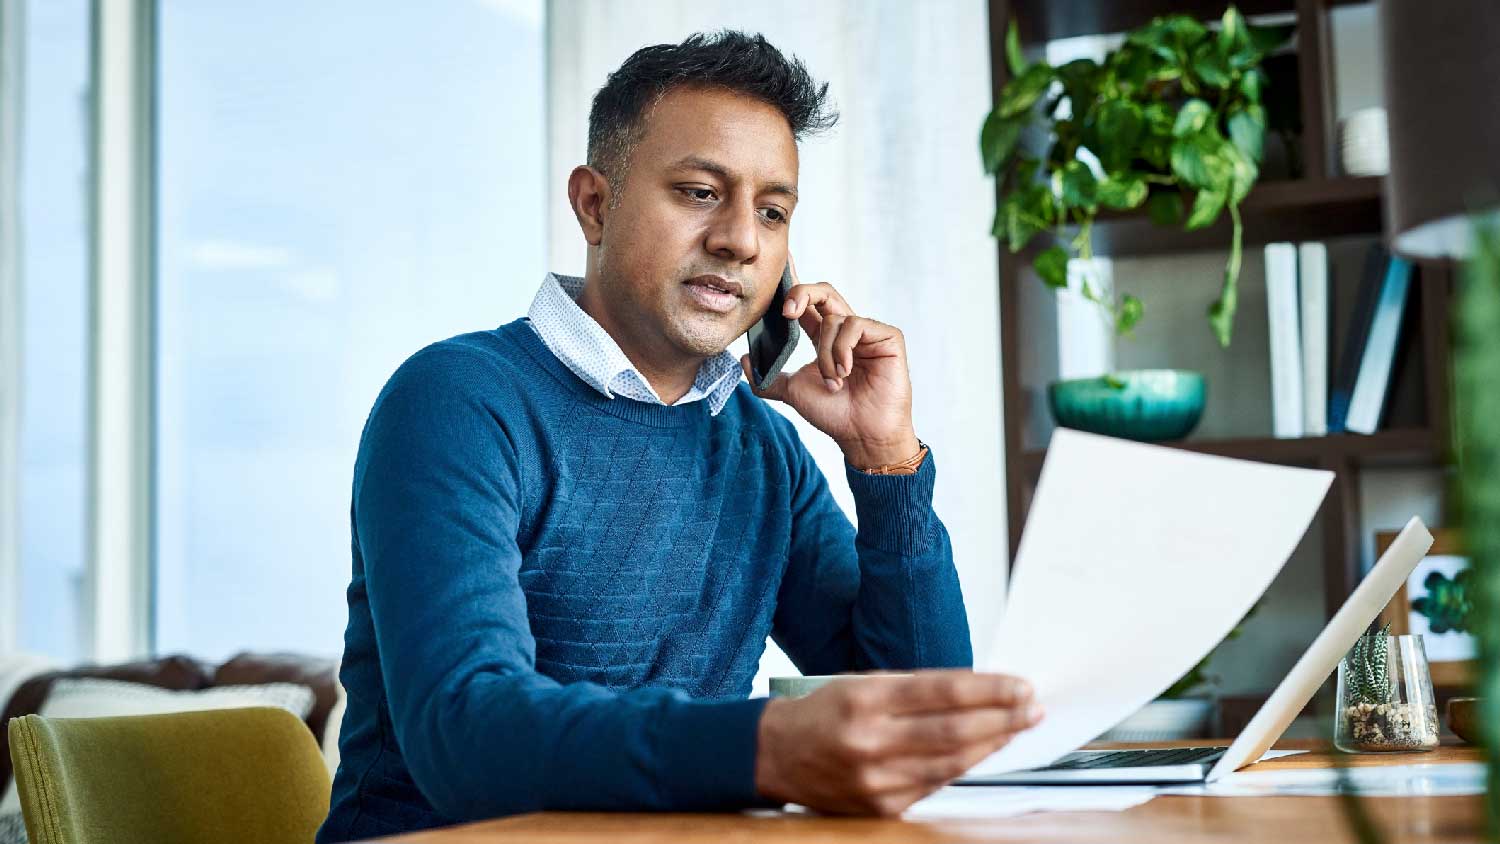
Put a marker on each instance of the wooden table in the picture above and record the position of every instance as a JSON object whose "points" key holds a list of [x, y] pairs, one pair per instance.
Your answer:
{"points": [[1282, 820]]}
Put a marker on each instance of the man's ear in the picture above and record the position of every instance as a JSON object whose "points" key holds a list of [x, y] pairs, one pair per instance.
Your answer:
{"points": [[589, 194]]}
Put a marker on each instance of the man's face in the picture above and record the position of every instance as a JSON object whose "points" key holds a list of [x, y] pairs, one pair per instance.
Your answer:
{"points": [[710, 191]]}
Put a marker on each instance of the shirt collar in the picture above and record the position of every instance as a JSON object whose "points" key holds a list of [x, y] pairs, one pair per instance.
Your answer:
{"points": [[592, 354]]}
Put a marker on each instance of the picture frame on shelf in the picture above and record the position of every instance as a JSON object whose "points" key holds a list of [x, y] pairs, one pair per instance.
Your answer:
{"points": [[1434, 603]]}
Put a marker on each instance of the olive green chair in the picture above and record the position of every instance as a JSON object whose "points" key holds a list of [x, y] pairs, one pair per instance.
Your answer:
{"points": [[253, 776]]}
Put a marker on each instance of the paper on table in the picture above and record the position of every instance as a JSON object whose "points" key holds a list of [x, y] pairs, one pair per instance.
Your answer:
{"points": [[1454, 779], [1004, 801], [1136, 561], [999, 801]]}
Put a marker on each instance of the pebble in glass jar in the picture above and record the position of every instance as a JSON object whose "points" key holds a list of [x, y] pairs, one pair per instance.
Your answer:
{"points": [[1385, 700]]}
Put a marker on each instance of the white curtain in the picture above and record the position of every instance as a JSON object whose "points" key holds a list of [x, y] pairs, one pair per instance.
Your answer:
{"points": [[895, 212]]}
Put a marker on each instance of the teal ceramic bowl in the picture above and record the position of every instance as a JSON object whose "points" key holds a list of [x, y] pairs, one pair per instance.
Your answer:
{"points": [[1149, 405]]}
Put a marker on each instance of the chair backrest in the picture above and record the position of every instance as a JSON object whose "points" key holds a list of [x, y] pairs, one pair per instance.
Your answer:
{"points": [[253, 776]]}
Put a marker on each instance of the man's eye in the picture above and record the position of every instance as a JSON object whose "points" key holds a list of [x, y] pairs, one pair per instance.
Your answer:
{"points": [[779, 218], [695, 191]]}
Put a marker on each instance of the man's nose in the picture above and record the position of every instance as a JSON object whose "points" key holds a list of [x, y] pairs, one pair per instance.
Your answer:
{"points": [[733, 234]]}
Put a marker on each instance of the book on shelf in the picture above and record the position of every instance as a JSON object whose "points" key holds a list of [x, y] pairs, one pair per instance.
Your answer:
{"points": [[1372, 386], [1349, 359], [1312, 279], [1285, 340]]}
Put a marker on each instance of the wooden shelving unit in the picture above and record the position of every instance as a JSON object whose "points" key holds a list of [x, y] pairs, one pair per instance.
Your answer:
{"points": [[1278, 210], [1319, 206]]}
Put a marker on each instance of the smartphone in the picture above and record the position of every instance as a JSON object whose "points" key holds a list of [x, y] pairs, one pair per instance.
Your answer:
{"points": [[773, 337]]}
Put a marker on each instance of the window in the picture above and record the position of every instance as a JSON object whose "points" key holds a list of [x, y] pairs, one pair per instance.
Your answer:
{"points": [[54, 273], [338, 187]]}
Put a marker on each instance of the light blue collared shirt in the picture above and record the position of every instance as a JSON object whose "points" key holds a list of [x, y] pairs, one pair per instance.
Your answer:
{"points": [[587, 349]]}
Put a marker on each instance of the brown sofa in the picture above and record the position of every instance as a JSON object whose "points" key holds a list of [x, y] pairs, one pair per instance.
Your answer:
{"points": [[182, 673]]}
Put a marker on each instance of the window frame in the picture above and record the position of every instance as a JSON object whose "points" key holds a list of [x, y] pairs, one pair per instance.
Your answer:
{"points": [[122, 292]]}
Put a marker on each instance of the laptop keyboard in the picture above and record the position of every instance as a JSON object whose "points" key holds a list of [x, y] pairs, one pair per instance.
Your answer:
{"points": [[1135, 758]]}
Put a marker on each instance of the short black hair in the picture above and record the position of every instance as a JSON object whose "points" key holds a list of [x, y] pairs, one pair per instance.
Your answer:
{"points": [[726, 60]]}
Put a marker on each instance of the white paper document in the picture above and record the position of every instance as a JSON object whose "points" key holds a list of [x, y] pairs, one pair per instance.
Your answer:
{"points": [[1135, 562], [1455, 779], [1000, 801]]}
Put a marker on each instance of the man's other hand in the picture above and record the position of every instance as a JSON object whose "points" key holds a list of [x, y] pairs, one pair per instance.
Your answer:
{"points": [[876, 745]]}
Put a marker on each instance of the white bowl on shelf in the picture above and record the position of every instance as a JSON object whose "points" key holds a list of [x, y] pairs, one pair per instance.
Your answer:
{"points": [[1364, 148]]}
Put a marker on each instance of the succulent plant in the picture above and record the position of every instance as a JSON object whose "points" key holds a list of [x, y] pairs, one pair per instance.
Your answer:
{"points": [[1367, 671]]}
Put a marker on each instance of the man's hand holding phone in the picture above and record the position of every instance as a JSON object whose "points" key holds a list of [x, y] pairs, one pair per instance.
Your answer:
{"points": [[876, 744], [857, 389]]}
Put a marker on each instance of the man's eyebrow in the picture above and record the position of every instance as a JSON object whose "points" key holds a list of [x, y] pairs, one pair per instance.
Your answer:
{"points": [[694, 162]]}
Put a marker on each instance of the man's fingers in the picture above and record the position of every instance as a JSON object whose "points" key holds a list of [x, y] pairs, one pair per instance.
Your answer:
{"points": [[933, 691], [832, 326], [854, 332], [811, 303], [956, 732]]}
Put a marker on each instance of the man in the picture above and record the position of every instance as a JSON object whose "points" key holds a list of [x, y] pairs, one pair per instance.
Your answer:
{"points": [[573, 534]]}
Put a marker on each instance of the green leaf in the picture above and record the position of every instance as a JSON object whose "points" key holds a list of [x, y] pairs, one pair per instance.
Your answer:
{"points": [[1159, 118], [1119, 127], [1025, 170], [1080, 80], [1266, 39], [1247, 129], [1243, 172], [1232, 32], [1186, 28], [1192, 117], [1078, 185], [1206, 208], [1165, 208], [1380, 665], [1199, 161], [1221, 312], [1151, 36], [1131, 311], [1157, 150], [1023, 213], [1021, 93], [1052, 266], [1356, 667], [1013, 58], [1211, 67], [1252, 83], [1133, 68], [997, 140], [1127, 190]]}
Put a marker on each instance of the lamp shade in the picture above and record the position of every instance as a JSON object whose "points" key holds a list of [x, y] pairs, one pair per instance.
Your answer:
{"points": [[1442, 96]]}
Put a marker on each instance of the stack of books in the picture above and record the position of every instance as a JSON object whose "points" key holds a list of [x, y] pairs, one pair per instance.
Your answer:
{"points": [[1305, 400]]}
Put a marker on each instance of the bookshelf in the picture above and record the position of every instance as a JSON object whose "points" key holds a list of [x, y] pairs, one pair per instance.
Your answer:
{"points": [[1320, 205]]}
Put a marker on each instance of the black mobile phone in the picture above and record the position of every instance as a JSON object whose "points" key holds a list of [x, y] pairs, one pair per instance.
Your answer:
{"points": [[773, 337]]}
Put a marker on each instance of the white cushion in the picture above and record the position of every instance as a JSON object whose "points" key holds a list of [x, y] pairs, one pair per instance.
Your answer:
{"points": [[93, 697]]}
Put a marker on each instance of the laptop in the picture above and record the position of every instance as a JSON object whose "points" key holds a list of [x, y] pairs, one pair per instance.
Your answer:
{"points": [[1206, 764]]}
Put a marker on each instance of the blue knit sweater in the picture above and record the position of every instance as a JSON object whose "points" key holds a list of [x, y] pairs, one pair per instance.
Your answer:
{"points": [[559, 600]]}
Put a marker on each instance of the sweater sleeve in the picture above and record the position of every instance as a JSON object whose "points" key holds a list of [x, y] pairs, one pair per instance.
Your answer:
{"points": [[883, 597], [437, 508]]}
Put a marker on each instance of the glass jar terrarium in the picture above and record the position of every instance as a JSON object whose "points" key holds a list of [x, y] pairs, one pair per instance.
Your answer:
{"points": [[1385, 698]]}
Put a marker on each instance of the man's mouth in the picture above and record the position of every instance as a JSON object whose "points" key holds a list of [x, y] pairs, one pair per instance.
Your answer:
{"points": [[714, 293], [718, 283]]}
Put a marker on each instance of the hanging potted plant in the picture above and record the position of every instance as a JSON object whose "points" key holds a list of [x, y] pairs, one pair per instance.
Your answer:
{"points": [[1171, 120]]}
